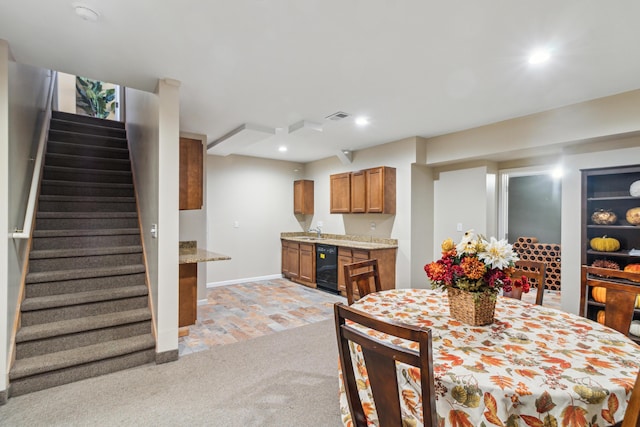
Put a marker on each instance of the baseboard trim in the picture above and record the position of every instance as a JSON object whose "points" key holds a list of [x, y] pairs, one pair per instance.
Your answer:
{"points": [[243, 280], [167, 356], [4, 395]]}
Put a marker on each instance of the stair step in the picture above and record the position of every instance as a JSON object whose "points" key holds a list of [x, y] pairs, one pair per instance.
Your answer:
{"points": [[73, 326], [42, 289], [64, 300], [87, 162], [83, 273], [85, 215], [56, 147], [79, 356], [83, 252], [77, 188], [84, 139], [79, 233], [55, 203], [62, 173], [87, 128], [61, 115]]}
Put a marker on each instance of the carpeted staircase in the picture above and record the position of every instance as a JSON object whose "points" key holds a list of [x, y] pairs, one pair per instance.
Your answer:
{"points": [[86, 310]]}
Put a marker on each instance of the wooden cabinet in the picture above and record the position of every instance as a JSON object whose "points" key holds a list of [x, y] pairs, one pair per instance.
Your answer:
{"points": [[303, 197], [188, 294], [307, 263], [191, 173], [299, 262], [381, 190], [358, 192], [340, 193], [386, 265], [608, 189], [366, 191]]}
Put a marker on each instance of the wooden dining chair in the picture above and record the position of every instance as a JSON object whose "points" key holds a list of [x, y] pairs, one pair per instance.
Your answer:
{"points": [[632, 413], [380, 362], [364, 275], [620, 297], [533, 270]]}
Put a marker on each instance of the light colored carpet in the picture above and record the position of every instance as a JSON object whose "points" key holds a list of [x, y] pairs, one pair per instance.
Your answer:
{"points": [[285, 379]]}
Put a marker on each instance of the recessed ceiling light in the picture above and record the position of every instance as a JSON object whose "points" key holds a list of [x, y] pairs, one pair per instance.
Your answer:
{"points": [[282, 149], [362, 121], [539, 56]]}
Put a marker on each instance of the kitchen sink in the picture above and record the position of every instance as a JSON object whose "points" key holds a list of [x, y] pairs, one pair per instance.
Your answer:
{"points": [[310, 238]]}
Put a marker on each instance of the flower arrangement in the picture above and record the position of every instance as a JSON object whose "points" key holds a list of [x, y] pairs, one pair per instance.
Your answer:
{"points": [[476, 265]]}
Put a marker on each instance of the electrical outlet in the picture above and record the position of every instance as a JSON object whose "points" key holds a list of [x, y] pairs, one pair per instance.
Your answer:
{"points": [[320, 223], [459, 227], [373, 226], [236, 224]]}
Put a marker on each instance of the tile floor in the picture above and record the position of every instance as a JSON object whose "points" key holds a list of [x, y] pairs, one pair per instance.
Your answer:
{"points": [[247, 310]]}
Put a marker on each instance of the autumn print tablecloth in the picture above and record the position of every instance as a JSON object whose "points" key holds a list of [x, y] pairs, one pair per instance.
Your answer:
{"points": [[534, 366]]}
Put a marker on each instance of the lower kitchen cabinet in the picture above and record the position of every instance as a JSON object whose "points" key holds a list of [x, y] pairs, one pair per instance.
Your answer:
{"points": [[299, 262], [386, 265], [188, 295]]}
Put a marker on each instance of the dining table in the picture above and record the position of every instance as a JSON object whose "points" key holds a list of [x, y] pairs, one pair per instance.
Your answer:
{"points": [[533, 366]]}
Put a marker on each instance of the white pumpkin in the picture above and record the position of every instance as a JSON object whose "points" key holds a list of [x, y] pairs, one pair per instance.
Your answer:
{"points": [[634, 190], [634, 329]]}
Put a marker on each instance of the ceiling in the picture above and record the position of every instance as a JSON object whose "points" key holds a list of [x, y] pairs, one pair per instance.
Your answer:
{"points": [[413, 67]]}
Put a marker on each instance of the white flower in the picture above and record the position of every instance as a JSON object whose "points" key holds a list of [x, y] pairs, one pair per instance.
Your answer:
{"points": [[498, 254], [467, 244]]}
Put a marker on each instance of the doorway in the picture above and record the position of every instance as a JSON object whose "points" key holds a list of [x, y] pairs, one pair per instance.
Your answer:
{"points": [[530, 205]]}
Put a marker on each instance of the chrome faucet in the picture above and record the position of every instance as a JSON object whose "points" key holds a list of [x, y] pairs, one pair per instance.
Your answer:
{"points": [[317, 230]]}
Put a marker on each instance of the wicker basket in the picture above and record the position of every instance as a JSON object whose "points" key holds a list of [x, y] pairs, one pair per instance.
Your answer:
{"points": [[462, 306]]}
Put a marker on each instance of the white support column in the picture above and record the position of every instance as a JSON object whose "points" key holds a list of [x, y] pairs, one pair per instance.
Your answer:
{"points": [[5, 322], [168, 214]]}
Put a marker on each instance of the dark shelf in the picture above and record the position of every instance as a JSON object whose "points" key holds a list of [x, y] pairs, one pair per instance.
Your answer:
{"points": [[604, 199], [615, 226], [624, 254]]}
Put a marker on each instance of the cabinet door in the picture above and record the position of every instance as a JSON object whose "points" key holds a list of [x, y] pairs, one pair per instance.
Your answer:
{"points": [[307, 262], [191, 170], [293, 260], [344, 257], [340, 185], [303, 197], [358, 192], [381, 190], [187, 296]]}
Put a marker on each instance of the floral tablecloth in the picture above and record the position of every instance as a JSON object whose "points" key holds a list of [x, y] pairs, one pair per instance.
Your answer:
{"points": [[534, 366]]}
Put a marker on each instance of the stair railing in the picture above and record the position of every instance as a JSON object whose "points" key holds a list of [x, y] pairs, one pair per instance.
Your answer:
{"points": [[25, 232]]}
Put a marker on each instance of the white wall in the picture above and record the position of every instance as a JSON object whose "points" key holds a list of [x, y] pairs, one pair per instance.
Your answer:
{"points": [[67, 93], [400, 155], [27, 88], [142, 133], [257, 194]]}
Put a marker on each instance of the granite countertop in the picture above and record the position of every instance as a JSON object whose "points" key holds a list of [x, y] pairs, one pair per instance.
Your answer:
{"points": [[190, 253], [350, 241]]}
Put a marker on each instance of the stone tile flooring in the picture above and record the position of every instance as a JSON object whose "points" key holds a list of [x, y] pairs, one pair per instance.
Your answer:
{"points": [[247, 310]]}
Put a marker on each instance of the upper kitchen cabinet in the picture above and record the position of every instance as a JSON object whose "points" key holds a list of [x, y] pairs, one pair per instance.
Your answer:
{"points": [[191, 173], [340, 189], [366, 191], [303, 197], [381, 190]]}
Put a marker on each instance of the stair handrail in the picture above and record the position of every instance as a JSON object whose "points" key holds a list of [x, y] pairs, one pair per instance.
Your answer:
{"points": [[25, 232]]}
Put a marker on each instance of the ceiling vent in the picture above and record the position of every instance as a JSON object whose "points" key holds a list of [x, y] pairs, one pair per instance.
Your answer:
{"points": [[337, 116]]}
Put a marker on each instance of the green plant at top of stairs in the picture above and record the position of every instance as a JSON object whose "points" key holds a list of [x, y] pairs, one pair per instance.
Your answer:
{"points": [[93, 98]]}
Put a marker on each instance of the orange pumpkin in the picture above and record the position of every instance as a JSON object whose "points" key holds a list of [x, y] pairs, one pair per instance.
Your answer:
{"points": [[601, 317], [633, 268], [599, 294]]}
